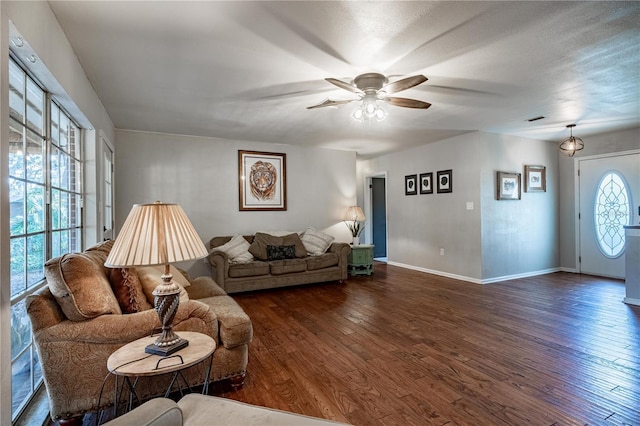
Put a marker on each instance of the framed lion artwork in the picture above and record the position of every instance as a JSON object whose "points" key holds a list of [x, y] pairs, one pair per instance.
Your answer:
{"points": [[263, 180]]}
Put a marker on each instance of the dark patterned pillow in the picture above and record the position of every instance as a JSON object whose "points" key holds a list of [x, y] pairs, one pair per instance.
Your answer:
{"points": [[281, 252]]}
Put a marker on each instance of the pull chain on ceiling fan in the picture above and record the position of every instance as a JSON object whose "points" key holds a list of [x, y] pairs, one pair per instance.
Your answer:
{"points": [[373, 87]]}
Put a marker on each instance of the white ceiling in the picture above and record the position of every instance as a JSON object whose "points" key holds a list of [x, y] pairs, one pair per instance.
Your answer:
{"points": [[248, 70]]}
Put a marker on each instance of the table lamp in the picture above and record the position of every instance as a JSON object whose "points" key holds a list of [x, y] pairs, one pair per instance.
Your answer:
{"points": [[158, 234], [352, 219]]}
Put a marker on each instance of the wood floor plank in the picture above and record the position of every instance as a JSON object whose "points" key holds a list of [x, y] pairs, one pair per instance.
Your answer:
{"points": [[408, 348]]}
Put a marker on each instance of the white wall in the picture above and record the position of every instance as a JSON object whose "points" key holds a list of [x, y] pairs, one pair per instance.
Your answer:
{"points": [[519, 238], [58, 68], [623, 140], [201, 174], [494, 240], [418, 226]]}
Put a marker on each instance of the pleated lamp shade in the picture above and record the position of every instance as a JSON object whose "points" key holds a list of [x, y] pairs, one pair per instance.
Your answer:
{"points": [[353, 214], [155, 234]]}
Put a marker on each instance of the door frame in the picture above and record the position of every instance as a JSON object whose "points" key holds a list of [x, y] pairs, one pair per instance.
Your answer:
{"points": [[102, 196], [368, 206], [576, 205]]}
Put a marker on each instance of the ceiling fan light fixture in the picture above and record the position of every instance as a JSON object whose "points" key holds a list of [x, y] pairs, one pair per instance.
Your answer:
{"points": [[572, 144], [368, 110]]}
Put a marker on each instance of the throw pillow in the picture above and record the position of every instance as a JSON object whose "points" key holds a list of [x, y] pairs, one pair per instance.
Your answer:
{"points": [[151, 276], [281, 252], [260, 242], [237, 249], [80, 284], [128, 290], [316, 242]]}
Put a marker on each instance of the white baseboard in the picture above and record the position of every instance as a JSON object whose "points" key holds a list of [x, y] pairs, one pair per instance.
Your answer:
{"points": [[434, 272], [476, 280], [631, 301], [523, 275], [570, 270]]}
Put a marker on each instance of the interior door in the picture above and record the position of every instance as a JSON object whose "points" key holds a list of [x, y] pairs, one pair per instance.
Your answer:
{"points": [[602, 206]]}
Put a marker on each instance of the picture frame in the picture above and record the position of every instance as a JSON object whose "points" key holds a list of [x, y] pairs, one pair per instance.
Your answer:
{"points": [[262, 179], [426, 183], [509, 186], [444, 181], [411, 185], [535, 178]]}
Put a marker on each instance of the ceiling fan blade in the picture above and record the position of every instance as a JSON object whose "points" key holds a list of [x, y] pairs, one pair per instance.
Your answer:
{"points": [[344, 85], [329, 102], [404, 84], [407, 103]]}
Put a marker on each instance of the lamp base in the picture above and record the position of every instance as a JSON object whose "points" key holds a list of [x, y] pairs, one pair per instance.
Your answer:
{"points": [[166, 350]]}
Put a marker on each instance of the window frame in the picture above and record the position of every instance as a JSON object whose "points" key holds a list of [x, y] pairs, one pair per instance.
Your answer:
{"points": [[76, 159]]}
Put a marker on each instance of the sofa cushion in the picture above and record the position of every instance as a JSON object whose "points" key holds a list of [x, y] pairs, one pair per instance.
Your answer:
{"points": [[218, 241], [281, 252], [325, 260], [279, 267], [316, 242], [151, 276], [250, 269], [262, 241], [128, 290], [80, 284], [237, 249]]}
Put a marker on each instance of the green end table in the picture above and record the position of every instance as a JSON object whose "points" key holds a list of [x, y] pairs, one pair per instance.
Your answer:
{"points": [[360, 260]]}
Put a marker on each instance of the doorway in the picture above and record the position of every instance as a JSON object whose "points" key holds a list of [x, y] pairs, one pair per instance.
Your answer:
{"points": [[609, 191], [378, 193]]}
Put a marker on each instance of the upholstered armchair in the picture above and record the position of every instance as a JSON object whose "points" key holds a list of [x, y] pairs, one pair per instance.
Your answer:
{"points": [[78, 323]]}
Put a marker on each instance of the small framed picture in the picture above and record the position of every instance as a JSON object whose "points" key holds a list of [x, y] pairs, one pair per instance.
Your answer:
{"points": [[508, 186], [426, 183], [445, 183], [411, 185], [535, 179]]}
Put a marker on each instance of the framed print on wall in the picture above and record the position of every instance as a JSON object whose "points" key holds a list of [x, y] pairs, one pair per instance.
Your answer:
{"points": [[535, 179], [411, 185], [445, 183], [508, 186], [426, 183], [263, 180]]}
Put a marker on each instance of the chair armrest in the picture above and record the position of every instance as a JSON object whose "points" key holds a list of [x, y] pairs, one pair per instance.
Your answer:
{"points": [[202, 287], [155, 412], [122, 329]]}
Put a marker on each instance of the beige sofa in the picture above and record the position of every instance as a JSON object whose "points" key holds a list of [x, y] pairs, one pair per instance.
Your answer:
{"points": [[78, 322], [262, 273], [198, 410]]}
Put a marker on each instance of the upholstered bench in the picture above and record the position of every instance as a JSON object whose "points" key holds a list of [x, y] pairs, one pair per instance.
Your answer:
{"points": [[198, 410]]}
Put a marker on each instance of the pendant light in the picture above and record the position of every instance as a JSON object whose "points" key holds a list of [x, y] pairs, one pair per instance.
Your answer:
{"points": [[572, 144]]}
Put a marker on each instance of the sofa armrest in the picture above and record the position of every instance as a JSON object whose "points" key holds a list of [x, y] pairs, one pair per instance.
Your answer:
{"points": [[220, 263], [202, 287], [156, 412], [342, 250]]}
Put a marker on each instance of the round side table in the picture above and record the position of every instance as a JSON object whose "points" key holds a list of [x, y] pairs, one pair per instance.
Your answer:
{"points": [[131, 361]]}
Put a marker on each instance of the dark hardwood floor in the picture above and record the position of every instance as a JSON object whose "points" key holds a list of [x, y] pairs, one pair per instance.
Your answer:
{"points": [[405, 347]]}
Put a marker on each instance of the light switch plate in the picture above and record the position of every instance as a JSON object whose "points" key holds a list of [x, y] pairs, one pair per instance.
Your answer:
{"points": [[469, 205]]}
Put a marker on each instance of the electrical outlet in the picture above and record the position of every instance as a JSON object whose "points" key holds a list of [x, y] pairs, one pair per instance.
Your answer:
{"points": [[441, 252]]}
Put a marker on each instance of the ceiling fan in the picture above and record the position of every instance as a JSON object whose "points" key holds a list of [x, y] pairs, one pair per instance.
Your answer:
{"points": [[373, 87]]}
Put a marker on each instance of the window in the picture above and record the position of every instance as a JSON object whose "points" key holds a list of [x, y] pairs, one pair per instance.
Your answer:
{"points": [[45, 210], [612, 211]]}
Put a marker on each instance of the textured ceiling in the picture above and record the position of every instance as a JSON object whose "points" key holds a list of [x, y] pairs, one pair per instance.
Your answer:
{"points": [[248, 70]]}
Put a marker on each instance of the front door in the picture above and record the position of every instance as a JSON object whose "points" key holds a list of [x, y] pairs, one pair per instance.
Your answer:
{"points": [[609, 199]]}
